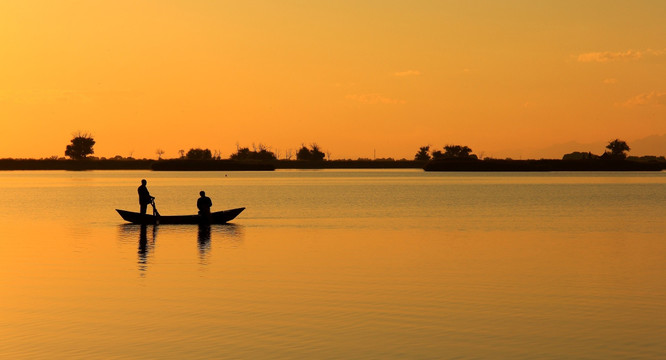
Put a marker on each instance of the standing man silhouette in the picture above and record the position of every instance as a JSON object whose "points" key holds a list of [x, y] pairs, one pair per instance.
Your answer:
{"points": [[203, 204], [144, 196]]}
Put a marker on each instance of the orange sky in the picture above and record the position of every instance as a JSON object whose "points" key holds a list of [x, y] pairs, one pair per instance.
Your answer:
{"points": [[502, 77]]}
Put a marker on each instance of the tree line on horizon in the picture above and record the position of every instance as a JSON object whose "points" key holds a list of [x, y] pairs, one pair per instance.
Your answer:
{"points": [[450, 152], [615, 150], [81, 146], [258, 153]]}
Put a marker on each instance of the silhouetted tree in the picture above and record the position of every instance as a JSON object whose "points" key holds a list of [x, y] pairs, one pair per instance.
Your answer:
{"points": [[457, 152], [454, 152], [81, 146], [316, 153], [260, 152], [437, 155], [579, 156], [617, 148], [303, 153], [199, 154], [240, 154], [265, 154], [159, 153], [312, 154], [423, 154]]}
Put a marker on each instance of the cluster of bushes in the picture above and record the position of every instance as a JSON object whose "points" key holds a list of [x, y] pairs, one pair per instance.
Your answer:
{"points": [[458, 152], [260, 153], [263, 153], [616, 150], [311, 154]]}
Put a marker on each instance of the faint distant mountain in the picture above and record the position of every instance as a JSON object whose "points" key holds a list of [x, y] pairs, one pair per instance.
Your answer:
{"points": [[553, 151], [558, 150], [651, 145]]}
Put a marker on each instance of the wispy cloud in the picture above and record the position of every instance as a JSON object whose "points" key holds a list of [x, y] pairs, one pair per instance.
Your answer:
{"points": [[654, 98], [374, 99], [610, 81], [629, 55], [407, 73], [606, 56]]}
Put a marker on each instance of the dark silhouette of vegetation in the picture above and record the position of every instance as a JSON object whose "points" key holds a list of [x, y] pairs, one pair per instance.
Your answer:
{"points": [[613, 160], [350, 164], [580, 156], [458, 152], [210, 165], [648, 158], [423, 153], [617, 151], [260, 153], [65, 164], [541, 165], [312, 154], [452, 158], [199, 154], [81, 146], [454, 152]]}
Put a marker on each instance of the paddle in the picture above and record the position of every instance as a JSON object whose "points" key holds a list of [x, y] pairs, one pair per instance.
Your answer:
{"points": [[155, 212]]}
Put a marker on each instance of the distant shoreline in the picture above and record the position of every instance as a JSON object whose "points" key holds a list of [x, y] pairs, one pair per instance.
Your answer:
{"points": [[488, 165], [543, 165], [74, 165], [201, 165]]}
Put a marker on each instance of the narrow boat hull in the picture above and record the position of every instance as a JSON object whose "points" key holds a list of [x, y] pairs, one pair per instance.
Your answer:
{"points": [[218, 217]]}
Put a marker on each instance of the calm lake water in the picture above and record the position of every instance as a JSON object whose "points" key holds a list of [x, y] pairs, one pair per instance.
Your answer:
{"points": [[340, 264]]}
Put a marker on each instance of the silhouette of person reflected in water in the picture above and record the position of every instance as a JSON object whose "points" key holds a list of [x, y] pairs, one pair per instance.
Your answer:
{"points": [[144, 197], [203, 204], [203, 240], [144, 246]]}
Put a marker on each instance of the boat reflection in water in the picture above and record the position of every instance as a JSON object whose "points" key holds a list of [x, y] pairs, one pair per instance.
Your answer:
{"points": [[229, 234]]}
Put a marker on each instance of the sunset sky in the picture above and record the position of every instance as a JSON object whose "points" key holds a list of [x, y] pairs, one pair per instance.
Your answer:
{"points": [[357, 77]]}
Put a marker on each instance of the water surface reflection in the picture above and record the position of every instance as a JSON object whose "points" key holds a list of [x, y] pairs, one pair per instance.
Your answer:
{"points": [[336, 265], [225, 233], [145, 247], [229, 235], [146, 244], [203, 240]]}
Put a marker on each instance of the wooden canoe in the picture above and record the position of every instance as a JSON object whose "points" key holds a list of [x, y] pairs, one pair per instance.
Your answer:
{"points": [[218, 217]]}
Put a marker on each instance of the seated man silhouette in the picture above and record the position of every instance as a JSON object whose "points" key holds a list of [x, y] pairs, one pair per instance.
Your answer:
{"points": [[144, 197], [203, 204]]}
